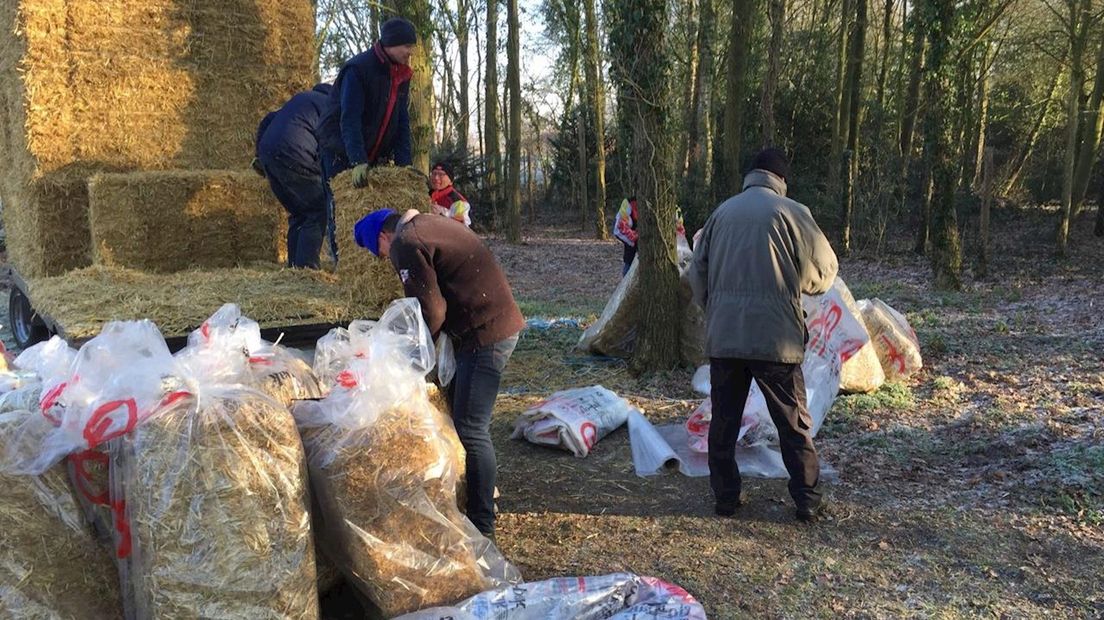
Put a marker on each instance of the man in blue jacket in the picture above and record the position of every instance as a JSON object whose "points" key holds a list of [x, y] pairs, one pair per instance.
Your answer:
{"points": [[366, 121], [287, 155]]}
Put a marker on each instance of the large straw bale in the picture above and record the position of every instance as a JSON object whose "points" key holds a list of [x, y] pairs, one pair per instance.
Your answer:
{"points": [[387, 493], [174, 220], [50, 563], [118, 85], [366, 278], [84, 300], [46, 222], [218, 509]]}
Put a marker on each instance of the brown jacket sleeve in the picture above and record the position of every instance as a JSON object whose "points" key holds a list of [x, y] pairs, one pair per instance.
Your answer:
{"points": [[419, 280]]}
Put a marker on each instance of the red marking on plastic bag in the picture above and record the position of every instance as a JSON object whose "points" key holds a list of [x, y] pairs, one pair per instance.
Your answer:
{"points": [[893, 354], [205, 331], [98, 431], [346, 379], [84, 478], [821, 328], [122, 526], [49, 400], [172, 398], [261, 360], [589, 433]]}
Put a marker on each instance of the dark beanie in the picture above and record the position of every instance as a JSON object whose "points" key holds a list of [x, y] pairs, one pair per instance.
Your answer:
{"points": [[397, 31], [772, 160], [444, 166]]}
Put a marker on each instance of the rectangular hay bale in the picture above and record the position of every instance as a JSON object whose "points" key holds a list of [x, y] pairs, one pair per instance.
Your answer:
{"points": [[92, 86], [172, 220], [366, 278]]}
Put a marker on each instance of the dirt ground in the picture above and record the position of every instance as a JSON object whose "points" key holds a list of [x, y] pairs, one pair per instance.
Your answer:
{"points": [[974, 489]]}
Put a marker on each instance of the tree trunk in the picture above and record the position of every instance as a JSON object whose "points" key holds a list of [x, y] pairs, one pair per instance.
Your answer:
{"points": [[421, 84], [701, 128], [640, 69], [1032, 138], [739, 52], [986, 203], [581, 174], [979, 142], [530, 186], [887, 35], [946, 255], [694, 26], [854, 115], [490, 104], [513, 84], [774, 68], [1093, 123], [463, 21], [843, 105], [597, 106], [923, 208], [1079, 18], [911, 107]]}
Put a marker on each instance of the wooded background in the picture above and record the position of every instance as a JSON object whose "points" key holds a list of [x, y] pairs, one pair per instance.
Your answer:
{"points": [[906, 121]]}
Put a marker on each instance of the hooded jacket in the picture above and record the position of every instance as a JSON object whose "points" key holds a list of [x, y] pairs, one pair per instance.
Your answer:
{"points": [[289, 133]]}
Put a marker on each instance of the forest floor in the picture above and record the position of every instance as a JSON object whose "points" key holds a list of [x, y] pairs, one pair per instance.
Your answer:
{"points": [[976, 488]]}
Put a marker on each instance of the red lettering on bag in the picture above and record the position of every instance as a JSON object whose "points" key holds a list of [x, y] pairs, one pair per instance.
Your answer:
{"points": [[122, 526], [821, 328], [97, 431], [893, 354], [83, 478], [49, 400], [589, 433], [347, 379]]}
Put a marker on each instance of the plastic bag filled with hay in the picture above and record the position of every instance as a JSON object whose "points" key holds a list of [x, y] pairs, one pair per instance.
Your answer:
{"points": [[384, 471], [861, 371], [614, 333], [336, 349], [51, 565], [894, 340], [208, 480], [574, 419], [275, 370]]}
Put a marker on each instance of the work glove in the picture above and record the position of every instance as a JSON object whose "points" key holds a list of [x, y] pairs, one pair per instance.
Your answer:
{"points": [[257, 167], [360, 175]]}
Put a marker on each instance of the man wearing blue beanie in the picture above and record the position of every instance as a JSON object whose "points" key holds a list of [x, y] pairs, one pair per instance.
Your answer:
{"points": [[464, 294]]}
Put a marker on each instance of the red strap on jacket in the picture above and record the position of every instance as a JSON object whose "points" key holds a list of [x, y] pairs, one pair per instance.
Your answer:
{"points": [[399, 74]]}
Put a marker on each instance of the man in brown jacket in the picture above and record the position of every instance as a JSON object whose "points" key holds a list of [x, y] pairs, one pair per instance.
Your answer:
{"points": [[464, 293], [758, 253]]}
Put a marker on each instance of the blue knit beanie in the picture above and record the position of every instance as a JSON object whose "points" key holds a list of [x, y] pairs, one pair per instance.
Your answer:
{"points": [[367, 230]]}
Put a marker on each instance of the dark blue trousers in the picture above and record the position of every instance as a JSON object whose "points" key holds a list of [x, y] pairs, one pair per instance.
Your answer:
{"points": [[473, 392], [304, 198]]}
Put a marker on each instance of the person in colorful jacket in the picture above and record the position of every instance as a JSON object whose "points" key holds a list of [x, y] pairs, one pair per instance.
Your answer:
{"points": [[624, 228], [444, 197]]}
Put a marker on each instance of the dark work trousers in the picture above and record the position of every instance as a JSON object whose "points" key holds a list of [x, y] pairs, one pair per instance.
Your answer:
{"points": [[332, 165], [304, 198], [783, 387], [472, 392], [627, 257]]}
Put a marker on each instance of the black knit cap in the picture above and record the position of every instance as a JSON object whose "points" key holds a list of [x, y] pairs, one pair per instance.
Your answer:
{"points": [[772, 159], [397, 31], [444, 166]]}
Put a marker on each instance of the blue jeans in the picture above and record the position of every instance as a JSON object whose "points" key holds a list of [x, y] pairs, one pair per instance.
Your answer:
{"points": [[332, 165], [304, 198], [473, 392]]}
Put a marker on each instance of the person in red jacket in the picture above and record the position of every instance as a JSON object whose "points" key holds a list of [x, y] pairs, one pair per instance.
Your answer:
{"points": [[446, 200], [464, 294]]}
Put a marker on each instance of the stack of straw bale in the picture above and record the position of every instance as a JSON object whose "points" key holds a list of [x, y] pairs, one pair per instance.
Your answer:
{"points": [[92, 86], [217, 506], [50, 563], [366, 278], [85, 299], [214, 219]]}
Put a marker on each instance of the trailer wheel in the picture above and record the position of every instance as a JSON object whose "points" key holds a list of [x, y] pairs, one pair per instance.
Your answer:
{"points": [[27, 329]]}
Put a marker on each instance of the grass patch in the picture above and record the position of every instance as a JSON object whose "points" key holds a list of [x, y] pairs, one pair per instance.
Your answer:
{"points": [[586, 310], [889, 397]]}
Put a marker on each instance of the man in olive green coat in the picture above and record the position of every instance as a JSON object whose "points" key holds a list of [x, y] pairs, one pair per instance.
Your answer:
{"points": [[758, 253]]}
